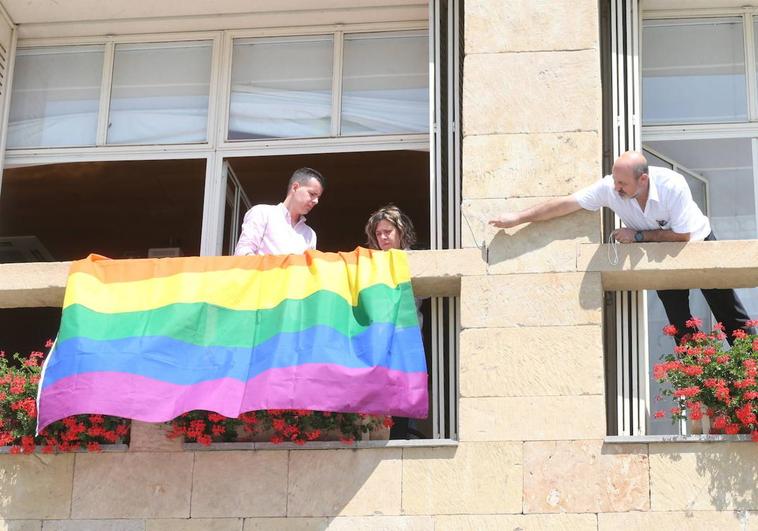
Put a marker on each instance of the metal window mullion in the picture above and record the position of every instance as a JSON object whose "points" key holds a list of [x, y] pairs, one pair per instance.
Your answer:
{"points": [[634, 81], [337, 69], [455, 333], [629, 49], [10, 62], [213, 205], [748, 34], [620, 398], [642, 334], [234, 221], [754, 143], [224, 90], [106, 80], [436, 185], [620, 110], [436, 349], [215, 91], [635, 393]]}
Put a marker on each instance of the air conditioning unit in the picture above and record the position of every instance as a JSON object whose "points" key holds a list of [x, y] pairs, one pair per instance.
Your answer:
{"points": [[164, 252], [16, 249]]}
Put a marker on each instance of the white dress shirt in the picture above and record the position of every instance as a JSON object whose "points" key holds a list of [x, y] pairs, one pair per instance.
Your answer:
{"points": [[669, 204], [268, 229]]}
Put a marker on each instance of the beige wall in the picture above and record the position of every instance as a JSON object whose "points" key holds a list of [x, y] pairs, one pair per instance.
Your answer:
{"points": [[532, 417]]}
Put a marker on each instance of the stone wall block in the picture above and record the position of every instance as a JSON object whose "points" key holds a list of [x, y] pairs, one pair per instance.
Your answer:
{"points": [[540, 361], [382, 523], [538, 92], [195, 524], [151, 437], [672, 521], [344, 482], [505, 301], [472, 478], [543, 247], [27, 479], [241, 483], [704, 476], [286, 524], [522, 522], [132, 485], [530, 165], [20, 525], [496, 26], [585, 476], [94, 525], [537, 418]]}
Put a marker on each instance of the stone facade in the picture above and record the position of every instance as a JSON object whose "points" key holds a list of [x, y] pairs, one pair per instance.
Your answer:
{"points": [[531, 453]]}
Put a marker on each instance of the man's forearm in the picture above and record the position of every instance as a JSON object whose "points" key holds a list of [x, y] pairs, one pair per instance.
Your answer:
{"points": [[662, 235], [553, 208]]}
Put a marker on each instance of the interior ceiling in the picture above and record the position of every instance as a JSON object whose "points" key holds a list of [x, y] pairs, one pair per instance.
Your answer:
{"points": [[50, 11]]}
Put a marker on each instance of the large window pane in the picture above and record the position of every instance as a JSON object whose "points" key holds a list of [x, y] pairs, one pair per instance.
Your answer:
{"points": [[160, 93], [385, 87], [727, 166], [281, 87], [55, 97], [693, 71]]}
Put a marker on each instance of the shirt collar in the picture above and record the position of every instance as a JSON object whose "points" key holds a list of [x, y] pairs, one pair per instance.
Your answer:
{"points": [[652, 194], [288, 217]]}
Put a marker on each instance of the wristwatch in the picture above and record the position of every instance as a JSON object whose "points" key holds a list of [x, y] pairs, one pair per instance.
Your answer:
{"points": [[639, 236]]}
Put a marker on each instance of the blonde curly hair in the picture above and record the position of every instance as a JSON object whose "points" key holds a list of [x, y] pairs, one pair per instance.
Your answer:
{"points": [[397, 217]]}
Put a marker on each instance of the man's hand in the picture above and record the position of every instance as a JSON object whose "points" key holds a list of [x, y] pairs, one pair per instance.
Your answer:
{"points": [[624, 235], [506, 221]]}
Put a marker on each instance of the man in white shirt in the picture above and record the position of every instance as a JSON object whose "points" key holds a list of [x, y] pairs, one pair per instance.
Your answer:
{"points": [[656, 205], [281, 229]]}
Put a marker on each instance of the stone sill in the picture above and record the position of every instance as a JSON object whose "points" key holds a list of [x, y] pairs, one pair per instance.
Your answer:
{"points": [[718, 264], [321, 445], [638, 439], [434, 274], [104, 448]]}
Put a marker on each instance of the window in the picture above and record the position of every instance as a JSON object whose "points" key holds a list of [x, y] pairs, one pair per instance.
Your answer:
{"points": [[252, 105], [700, 118], [281, 87], [55, 96], [160, 93], [693, 71], [385, 83], [284, 87]]}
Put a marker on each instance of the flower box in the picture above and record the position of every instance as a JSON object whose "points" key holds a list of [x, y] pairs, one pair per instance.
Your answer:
{"points": [[714, 386]]}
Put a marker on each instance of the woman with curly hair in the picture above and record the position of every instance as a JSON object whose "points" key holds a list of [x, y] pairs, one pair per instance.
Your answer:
{"points": [[389, 228]]}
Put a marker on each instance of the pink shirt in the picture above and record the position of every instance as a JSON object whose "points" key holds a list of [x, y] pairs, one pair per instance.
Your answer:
{"points": [[267, 229]]}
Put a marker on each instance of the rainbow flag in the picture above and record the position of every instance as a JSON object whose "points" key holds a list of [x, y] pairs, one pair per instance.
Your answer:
{"points": [[151, 339]]}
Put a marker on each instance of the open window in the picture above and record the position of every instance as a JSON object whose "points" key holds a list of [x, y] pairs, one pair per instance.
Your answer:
{"points": [[684, 90]]}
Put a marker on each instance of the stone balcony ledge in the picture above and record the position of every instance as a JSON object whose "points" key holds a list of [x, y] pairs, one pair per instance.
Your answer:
{"points": [[718, 264], [434, 273]]}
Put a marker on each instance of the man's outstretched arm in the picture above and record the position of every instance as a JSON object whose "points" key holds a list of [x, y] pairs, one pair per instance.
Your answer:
{"points": [[554, 208]]}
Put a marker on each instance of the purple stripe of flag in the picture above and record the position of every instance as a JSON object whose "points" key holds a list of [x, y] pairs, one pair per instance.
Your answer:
{"points": [[319, 387]]}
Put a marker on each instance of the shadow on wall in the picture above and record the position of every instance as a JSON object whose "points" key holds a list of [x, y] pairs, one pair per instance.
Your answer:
{"points": [[705, 476]]}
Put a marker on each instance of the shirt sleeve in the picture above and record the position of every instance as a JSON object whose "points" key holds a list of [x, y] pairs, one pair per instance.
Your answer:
{"points": [[594, 196], [253, 227], [312, 242]]}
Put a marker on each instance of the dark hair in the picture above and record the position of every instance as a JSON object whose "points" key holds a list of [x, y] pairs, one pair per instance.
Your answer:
{"points": [[394, 215], [303, 175]]}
